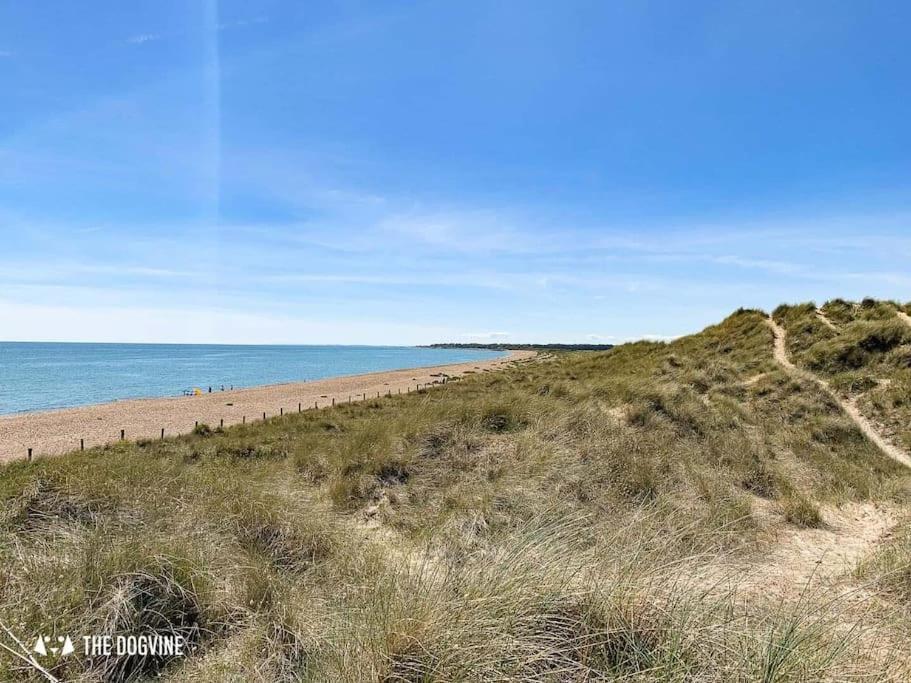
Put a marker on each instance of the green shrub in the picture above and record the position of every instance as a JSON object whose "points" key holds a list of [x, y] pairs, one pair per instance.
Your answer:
{"points": [[202, 429], [853, 382], [251, 451], [502, 418], [759, 479], [292, 544]]}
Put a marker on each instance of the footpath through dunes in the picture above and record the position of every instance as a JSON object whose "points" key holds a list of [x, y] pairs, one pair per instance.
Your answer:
{"points": [[60, 431], [848, 405], [904, 317]]}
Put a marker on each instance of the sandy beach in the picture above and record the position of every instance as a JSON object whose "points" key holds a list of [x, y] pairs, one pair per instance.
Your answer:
{"points": [[59, 431]]}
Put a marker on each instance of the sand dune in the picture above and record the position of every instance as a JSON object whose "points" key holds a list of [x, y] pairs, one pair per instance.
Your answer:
{"points": [[59, 431]]}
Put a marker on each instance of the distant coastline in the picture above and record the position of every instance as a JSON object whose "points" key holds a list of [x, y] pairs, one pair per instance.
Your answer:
{"points": [[523, 347]]}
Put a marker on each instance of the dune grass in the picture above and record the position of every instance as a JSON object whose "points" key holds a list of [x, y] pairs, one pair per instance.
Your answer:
{"points": [[584, 517]]}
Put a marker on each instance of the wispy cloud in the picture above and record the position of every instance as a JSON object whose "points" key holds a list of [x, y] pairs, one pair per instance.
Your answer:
{"points": [[12, 273], [781, 267], [485, 336], [657, 337], [240, 23], [5, 54], [142, 38]]}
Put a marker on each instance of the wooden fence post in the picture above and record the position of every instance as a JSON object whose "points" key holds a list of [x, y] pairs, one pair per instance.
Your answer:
{"points": [[29, 454], [122, 434], [81, 444]]}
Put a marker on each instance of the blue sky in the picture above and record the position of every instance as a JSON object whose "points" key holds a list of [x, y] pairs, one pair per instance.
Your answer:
{"points": [[409, 172]]}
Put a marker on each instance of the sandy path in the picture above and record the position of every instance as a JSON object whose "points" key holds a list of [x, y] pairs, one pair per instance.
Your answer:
{"points": [[825, 320], [59, 431], [849, 406]]}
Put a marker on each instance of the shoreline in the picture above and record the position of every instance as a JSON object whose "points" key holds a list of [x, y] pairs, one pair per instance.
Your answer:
{"points": [[59, 430]]}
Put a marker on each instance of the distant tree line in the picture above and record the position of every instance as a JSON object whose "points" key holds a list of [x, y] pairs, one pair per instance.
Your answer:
{"points": [[525, 347]]}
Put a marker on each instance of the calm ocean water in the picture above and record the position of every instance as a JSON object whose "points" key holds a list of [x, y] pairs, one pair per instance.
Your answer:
{"points": [[39, 376]]}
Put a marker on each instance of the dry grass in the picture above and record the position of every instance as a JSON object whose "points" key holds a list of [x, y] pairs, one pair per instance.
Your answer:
{"points": [[563, 520]]}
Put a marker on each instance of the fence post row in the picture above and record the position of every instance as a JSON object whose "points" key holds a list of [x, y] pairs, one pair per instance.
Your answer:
{"points": [[281, 411]]}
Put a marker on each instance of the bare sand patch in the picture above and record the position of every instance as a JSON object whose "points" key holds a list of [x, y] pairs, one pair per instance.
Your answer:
{"points": [[800, 557], [904, 317]]}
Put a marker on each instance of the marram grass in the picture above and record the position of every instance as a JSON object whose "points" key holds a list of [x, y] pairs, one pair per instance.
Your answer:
{"points": [[588, 516]]}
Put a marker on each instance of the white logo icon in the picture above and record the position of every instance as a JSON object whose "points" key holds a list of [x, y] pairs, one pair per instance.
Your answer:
{"points": [[59, 645]]}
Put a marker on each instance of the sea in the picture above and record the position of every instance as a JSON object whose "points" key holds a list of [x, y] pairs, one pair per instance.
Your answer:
{"points": [[42, 376]]}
